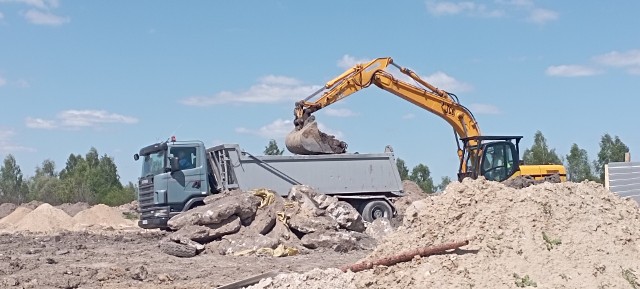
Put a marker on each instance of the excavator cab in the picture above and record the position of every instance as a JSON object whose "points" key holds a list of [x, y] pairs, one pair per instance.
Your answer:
{"points": [[494, 157]]}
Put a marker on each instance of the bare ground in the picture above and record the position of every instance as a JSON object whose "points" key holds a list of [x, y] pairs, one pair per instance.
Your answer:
{"points": [[121, 259]]}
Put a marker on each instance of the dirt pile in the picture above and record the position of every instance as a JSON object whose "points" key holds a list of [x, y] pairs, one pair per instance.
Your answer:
{"points": [[14, 217], [6, 209], [44, 218], [263, 223], [550, 235], [101, 216], [73, 208]]}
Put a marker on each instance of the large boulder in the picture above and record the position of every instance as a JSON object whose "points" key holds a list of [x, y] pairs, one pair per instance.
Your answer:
{"points": [[241, 244], [208, 233], [304, 196], [346, 216], [243, 205], [341, 241], [309, 224], [379, 228]]}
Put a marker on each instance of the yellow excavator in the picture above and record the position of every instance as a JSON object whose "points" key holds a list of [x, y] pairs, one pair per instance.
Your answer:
{"points": [[496, 158]]}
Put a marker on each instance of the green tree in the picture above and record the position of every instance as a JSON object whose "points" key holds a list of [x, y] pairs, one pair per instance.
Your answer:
{"points": [[444, 182], [422, 176], [44, 185], [578, 165], [539, 153], [93, 179], [12, 186], [272, 149], [402, 168], [611, 150]]}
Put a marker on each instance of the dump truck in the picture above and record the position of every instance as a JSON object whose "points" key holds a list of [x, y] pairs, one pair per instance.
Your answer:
{"points": [[177, 175]]}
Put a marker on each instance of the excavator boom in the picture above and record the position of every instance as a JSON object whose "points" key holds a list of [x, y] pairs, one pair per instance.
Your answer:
{"points": [[308, 139]]}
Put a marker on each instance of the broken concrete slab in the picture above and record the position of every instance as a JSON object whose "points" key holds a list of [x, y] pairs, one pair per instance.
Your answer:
{"points": [[341, 241], [208, 233], [303, 195], [324, 201], [306, 224], [244, 205], [379, 228], [346, 216]]}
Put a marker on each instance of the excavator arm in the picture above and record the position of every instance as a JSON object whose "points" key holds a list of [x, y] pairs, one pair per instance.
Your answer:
{"points": [[307, 139]]}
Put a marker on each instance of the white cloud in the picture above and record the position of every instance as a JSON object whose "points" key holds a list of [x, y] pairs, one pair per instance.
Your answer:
{"points": [[570, 70], [542, 16], [269, 89], [348, 61], [628, 59], [445, 82], [42, 4], [408, 116], [8, 146], [1, 15], [279, 128], [39, 123], [467, 7], [79, 119], [2, 81], [497, 8], [339, 112], [479, 108], [44, 18]]}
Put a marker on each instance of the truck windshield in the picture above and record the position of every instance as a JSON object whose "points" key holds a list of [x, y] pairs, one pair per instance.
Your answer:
{"points": [[153, 164]]}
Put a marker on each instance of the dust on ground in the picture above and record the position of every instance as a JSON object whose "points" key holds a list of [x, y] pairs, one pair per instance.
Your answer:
{"points": [[568, 235]]}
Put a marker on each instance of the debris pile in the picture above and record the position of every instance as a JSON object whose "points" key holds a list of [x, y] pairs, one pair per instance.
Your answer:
{"points": [[261, 222], [548, 235]]}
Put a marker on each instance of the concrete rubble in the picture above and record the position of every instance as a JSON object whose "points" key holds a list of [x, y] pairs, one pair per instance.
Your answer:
{"points": [[264, 223]]}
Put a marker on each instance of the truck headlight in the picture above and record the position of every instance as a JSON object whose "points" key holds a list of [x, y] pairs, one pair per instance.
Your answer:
{"points": [[161, 212]]}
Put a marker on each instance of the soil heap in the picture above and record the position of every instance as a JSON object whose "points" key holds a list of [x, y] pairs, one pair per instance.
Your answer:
{"points": [[44, 218], [101, 216], [14, 217], [550, 235]]}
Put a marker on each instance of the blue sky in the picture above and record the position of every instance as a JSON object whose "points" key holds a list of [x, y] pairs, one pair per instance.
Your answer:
{"points": [[119, 75]]}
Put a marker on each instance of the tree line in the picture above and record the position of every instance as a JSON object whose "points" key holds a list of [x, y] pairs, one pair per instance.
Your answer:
{"points": [[90, 178]]}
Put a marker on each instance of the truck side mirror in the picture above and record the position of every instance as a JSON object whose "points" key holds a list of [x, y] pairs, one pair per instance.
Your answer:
{"points": [[136, 157], [175, 165]]}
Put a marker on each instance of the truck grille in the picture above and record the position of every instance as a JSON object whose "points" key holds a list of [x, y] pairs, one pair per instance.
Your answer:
{"points": [[145, 195]]}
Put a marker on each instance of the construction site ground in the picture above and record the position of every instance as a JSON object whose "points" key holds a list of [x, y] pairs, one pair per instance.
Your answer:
{"points": [[133, 260], [570, 235]]}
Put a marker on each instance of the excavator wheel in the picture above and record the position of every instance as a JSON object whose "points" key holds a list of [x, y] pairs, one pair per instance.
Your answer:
{"points": [[309, 140]]}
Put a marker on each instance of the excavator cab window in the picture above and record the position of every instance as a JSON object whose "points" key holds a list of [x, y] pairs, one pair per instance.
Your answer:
{"points": [[498, 161]]}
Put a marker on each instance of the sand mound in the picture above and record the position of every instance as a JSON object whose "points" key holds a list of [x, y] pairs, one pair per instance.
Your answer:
{"points": [[45, 218], [6, 209], [101, 215], [568, 235], [73, 209], [32, 205], [14, 217]]}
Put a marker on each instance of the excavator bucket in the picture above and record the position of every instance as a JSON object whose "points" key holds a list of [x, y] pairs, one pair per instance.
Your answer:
{"points": [[309, 140]]}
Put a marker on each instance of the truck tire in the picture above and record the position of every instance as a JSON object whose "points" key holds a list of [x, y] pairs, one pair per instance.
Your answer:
{"points": [[376, 209]]}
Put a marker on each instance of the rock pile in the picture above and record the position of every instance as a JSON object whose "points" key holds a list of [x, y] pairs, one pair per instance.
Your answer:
{"points": [[549, 235], [261, 222]]}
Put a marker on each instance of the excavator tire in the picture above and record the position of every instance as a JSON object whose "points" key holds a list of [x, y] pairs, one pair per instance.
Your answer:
{"points": [[309, 140]]}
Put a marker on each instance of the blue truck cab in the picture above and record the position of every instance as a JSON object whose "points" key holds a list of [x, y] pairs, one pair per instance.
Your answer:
{"points": [[173, 179]]}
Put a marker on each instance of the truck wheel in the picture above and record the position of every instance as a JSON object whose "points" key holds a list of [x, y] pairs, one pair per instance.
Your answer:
{"points": [[376, 209]]}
